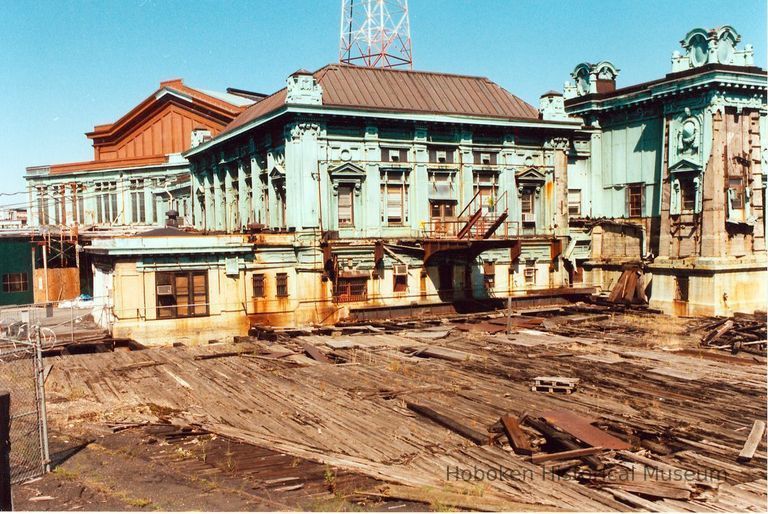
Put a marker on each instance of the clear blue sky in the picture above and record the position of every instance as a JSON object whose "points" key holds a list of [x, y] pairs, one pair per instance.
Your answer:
{"points": [[67, 65]]}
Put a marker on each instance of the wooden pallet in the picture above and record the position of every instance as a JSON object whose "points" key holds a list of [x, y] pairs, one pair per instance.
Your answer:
{"points": [[554, 384]]}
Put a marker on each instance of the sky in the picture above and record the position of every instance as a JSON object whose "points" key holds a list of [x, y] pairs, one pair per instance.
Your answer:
{"points": [[67, 65]]}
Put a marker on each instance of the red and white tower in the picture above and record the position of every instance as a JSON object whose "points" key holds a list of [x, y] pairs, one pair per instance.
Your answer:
{"points": [[375, 33]]}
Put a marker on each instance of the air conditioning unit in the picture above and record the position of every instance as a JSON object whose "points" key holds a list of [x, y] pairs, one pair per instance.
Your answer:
{"points": [[441, 156], [164, 290], [400, 269], [529, 217], [485, 158]]}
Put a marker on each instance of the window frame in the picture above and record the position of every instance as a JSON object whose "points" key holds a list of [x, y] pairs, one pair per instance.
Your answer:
{"points": [[350, 193], [281, 285], [635, 197], [350, 289], [171, 311], [15, 282], [259, 282], [573, 204]]}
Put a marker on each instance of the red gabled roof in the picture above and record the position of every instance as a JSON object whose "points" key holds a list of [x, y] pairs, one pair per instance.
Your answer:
{"points": [[218, 108], [391, 90]]}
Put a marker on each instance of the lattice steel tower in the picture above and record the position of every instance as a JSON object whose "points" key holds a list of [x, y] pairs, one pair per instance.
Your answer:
{"points": [[375, 33]]}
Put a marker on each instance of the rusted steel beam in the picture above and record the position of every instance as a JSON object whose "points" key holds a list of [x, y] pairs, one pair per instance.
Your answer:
{"points": [[473, 435], [582, 429], [563, 439], [517, 438]]}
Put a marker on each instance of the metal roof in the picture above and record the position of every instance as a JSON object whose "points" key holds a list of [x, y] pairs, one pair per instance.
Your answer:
{"points": [[390, 90]]}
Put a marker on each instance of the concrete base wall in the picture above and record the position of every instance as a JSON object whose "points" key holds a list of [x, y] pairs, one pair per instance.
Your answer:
{"points": [[719, 290]]}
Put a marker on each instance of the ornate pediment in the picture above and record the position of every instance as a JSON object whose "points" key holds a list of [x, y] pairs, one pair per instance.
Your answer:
{"points": [[685, 166], [347, 170], [531, 174]]}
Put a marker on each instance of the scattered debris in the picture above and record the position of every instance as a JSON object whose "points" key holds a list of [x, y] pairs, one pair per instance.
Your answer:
{"points": [[754, 439]]}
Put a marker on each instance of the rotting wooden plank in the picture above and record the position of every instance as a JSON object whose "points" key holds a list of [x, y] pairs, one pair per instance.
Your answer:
{"points": [[465, 431], [752, 442], [517, 438], [581, 428], [569, 454], [315, 353], [635, 500], [458, 500]]}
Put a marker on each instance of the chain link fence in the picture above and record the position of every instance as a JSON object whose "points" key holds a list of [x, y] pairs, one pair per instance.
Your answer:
{"points": [[22, 374]]}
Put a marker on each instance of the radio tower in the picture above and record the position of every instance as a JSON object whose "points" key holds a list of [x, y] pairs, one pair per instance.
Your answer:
{"points": [[375, 33]]}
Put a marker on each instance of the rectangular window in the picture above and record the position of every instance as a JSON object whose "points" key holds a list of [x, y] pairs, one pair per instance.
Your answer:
{"points": [[489, 275], [400, 278], [574, 202], [15, 283], [736, 185], [181, 294], [635, 200], [485, 158], [258, 285], [394, 193], [529, 273], [351, 289], [346, 206], [441, 185], [138, 207], [281, 285], [440, 155], [526, 201], [687, 193], [394, 154], [486, 183]]}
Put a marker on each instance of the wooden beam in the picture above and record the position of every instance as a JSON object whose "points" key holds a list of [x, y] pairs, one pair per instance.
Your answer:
{"points": [[464, 431], [316, 354], [570, 454], [754, 439], [6, 500], [563, 439], [517, 438]]}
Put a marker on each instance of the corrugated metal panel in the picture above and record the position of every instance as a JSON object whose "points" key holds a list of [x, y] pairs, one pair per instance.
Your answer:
{"points": [[382, 89]]}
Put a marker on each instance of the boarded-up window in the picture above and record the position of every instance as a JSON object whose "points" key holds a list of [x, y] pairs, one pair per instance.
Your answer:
{"points": [[346, 206], [634, 200], [351, 289], [489, 274], [258, 285], [574, 202], [15, 282], [181, 294], [281, 284]]}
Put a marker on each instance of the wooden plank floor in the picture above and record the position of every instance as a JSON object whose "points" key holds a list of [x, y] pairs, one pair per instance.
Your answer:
{"points": [[352, 415]]}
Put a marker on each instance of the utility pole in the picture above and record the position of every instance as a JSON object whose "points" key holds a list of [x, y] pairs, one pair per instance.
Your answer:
{"points": [[509, 315]]}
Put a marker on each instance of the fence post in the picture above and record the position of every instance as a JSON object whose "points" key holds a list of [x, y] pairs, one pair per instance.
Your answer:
{"points": [[6, 501], [40, 396]]}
